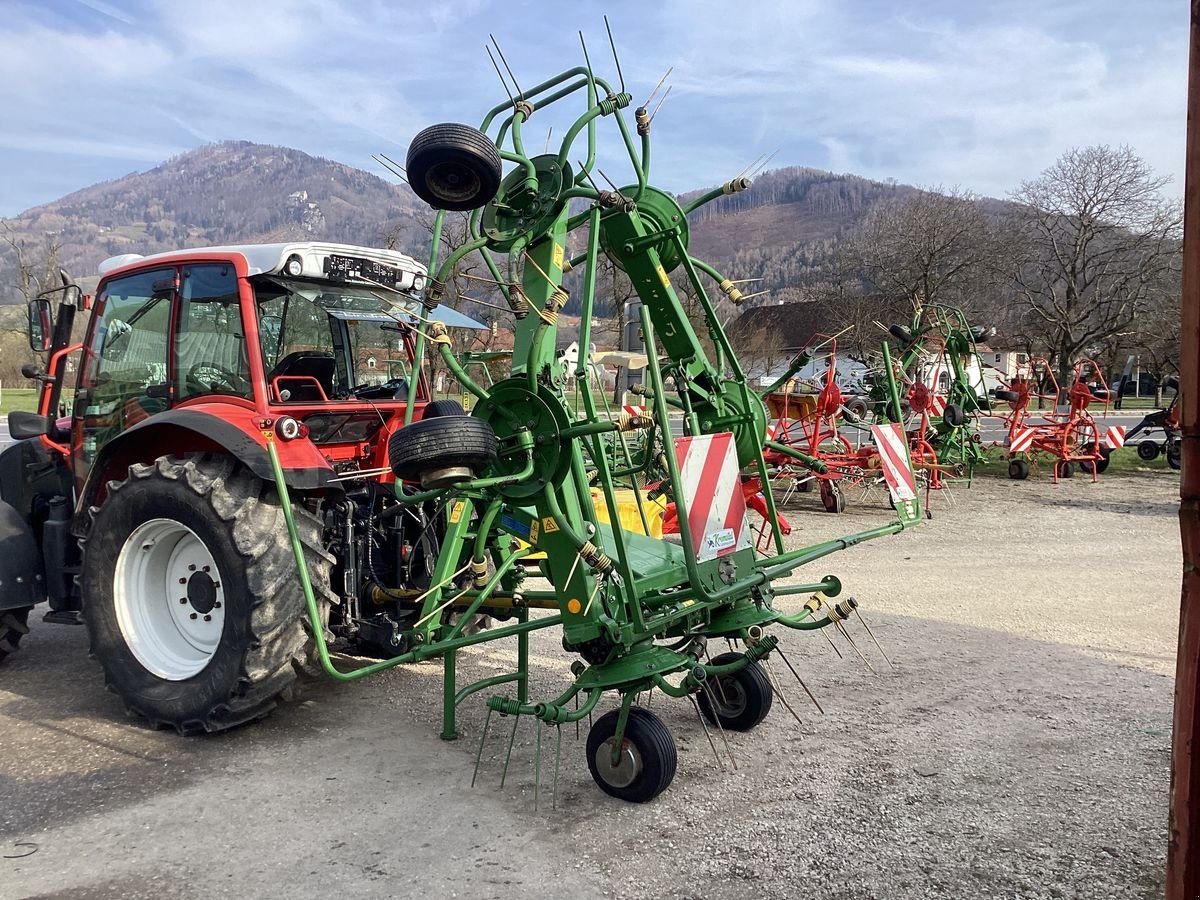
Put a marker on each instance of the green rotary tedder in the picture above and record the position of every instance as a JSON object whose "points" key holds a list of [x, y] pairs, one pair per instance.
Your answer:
{"points": [[527, 487]]}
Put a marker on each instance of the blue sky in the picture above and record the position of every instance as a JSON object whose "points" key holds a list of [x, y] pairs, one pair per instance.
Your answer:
{"points": [[972, 94]]}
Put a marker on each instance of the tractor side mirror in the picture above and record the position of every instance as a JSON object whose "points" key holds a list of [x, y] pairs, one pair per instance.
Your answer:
{"points": [[41, 325]]}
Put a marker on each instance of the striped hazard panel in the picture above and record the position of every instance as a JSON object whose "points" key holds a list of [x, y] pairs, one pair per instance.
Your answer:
{"points": [[712, 494]]}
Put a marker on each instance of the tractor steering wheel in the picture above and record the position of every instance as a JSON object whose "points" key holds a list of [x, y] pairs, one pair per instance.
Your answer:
{"points": [[213, 377]]}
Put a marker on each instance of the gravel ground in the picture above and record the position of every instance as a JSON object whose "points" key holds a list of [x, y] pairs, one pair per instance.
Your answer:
{"points": [[1019, 750]]}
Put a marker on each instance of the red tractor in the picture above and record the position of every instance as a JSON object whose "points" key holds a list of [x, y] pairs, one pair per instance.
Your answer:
{"points": [[151, 513]]}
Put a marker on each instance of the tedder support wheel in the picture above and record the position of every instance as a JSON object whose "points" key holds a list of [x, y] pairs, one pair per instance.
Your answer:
{"points": [[1018, 469], [953, 415], [739, 701], [1066, 470], [13, 626], [436, 408], [1148, 451], [832, 497], [1086, 465], [443, 450], [645, 762], [453, 167], [194, 605], [1174, 454]]}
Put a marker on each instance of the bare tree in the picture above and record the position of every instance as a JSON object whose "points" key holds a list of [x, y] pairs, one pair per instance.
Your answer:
{"points": [[1096, 235], [36, 267], [932, 247]]}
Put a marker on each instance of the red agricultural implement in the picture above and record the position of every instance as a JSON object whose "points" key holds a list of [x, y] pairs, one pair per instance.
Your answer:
{"points": [[1067, 433]]}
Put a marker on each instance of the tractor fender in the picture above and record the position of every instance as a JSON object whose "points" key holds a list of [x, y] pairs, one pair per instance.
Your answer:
{"points": [[22, 581], [222, 427]]}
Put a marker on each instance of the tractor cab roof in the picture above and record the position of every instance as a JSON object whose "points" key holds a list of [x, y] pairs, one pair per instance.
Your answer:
{"points": [[298, 259]]}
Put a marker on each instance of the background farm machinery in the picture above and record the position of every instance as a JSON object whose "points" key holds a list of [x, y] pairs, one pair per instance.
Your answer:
{"points": [[1067, 432]]}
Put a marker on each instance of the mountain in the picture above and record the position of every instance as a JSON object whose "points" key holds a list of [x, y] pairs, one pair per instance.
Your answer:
{"points": [[781, 229], [232, 192]]}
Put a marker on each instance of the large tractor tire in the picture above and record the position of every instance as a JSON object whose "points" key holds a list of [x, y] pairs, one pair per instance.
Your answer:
{"points": [[191, 594], [13, 626]]}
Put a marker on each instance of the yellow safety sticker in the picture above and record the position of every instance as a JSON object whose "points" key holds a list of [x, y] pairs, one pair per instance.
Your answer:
{"points": [[533, 531], [269, 435], [574, 606], [662, 276], [558, 255], [549, 526], [456, 510]]}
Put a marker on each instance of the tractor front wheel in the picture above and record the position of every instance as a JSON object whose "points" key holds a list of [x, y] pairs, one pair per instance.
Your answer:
{"points": [[194, 605], [644, 763], [13, 626], [739, 701]]}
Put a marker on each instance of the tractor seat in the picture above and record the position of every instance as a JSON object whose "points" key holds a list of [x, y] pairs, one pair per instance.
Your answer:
{"points": [[308, 376]]}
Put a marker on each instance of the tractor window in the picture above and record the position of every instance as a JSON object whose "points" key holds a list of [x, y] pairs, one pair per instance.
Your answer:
{"points": [[210, 347], [125, 375]]}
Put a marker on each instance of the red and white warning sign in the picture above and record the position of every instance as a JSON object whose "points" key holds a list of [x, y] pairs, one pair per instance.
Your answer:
{"points": [[634, 410], [712, 493], [893, 454], [1022, 440], [937, 405], [1114, 436]]}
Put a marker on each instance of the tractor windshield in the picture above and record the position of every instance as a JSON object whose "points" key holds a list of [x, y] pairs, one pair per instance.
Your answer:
{"points": [[327, 341]]}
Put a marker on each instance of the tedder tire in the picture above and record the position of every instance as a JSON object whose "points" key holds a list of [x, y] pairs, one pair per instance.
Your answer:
{"points": [[453, 447], [857, 410], [193, 601], [647, 761], [902, 334], [12, 628], [1174, 454], [453, 167], [1007, 395], [832, 497], [1086, 465], [1018, 469], [739, 701], [1066, 470], [437, 408], [1148, 451], [953, 416]]}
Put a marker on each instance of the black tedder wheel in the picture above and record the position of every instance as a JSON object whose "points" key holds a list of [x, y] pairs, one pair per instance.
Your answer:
{"points": [[954, 416], [1007, 395], [437, 408], [832, 497], [1065, 470], [902, 334], [443, 450], [1148, 451], [1018, 469], [857, 409], [453, 167], [1174, 454], [12, 628], [646, 762], [1086, 465], [194, 606], [739, 701]]}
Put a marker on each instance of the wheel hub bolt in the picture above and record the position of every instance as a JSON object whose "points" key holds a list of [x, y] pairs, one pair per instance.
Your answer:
{"points": [[183, 581], [191, 568], [205, 569], [217, 605], [192, 616], [183, 600], [208, 618]]}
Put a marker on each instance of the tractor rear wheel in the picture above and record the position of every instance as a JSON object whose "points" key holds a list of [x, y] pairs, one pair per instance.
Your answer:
{"points": [[1018, 469], [646, 759], [13, 626], [739, 701], [193, 600]]}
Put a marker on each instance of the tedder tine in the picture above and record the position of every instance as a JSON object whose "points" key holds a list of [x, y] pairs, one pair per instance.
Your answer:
{"points": [[720, 728], [483, 737], [787, 662], [779, 691], [511, 738], [707, 733], [874, 640]]}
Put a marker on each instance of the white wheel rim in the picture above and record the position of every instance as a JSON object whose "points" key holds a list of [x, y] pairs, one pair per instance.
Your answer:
{"points": [[169, 599]]}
